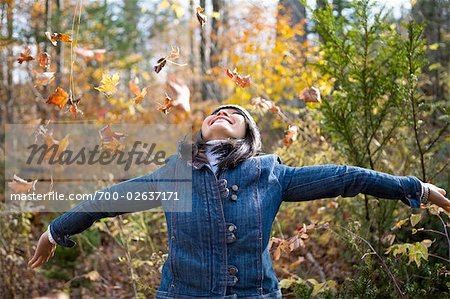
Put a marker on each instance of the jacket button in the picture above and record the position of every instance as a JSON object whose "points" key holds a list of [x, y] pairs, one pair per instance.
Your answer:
{"points": [[235, 188], [234, 197], [223, 182], [231, 227], [232, 270]]}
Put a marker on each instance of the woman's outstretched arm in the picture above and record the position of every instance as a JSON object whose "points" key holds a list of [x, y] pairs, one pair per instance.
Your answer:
{"points": [[331, 180], [82, 216]]}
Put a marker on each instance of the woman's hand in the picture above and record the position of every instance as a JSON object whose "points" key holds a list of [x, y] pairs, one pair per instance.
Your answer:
{"points": [[44, 251], [437, 197]]}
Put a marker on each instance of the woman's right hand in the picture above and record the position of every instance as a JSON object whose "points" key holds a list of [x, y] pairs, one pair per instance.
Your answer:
{"points": [[44, 251]]}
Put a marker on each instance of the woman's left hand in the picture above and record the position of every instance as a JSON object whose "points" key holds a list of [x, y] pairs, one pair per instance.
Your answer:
{"points": [[437, 197]]}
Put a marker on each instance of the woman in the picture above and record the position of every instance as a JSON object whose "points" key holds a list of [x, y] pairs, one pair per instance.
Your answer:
{"points": [[219, 249]]}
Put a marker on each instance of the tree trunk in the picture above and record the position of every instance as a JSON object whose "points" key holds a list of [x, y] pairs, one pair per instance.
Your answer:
{"points": [[203, 59]]}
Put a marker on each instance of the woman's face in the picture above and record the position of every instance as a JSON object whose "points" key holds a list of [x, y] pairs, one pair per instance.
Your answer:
{"points": [[224, 124]]}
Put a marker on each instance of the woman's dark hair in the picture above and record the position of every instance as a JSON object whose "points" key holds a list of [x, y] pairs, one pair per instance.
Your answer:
{"points": [[231, 152]]}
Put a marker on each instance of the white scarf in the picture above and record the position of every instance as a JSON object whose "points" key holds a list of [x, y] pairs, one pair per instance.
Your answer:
{"points": [[213, 158]]}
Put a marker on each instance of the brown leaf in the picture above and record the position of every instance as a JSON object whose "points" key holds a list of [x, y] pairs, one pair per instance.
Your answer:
{"points": [[54, 38], [265, 105], [19, 185], [25, 56], [107, 134], [160, 64], [44, 60], [110, 141], [291, 135], [310, 94], [58, 98], [73, 106], [239, 80], [201, 17]]}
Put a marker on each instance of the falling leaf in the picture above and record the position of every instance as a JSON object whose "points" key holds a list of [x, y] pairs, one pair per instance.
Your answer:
{"points": [[58, 98], [201, 17], [173, 55], [108, 84], [291, 135], [45, 78], [54, 38], [310, 94], [167, 105], [265, 105], [133, 85], [60, 145], [19, 185], [140, 96], [160, 64], [110, 140], [73, 106], [239, 80], [25, 56], [44, 60]]}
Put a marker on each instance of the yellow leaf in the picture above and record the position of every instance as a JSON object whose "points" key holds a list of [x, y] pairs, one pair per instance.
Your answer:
{"points": [[215, 15], [415, 218], [401, 223], [108, 84], [434, 66], [433, 46]]}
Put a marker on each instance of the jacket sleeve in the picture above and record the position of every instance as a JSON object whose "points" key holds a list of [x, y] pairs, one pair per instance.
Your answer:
{"points": [[331, 180], [82, 216]]}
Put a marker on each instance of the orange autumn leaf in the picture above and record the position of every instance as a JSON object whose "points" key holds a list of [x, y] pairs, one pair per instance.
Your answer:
{"points": [[291, 135], [60, 146], [58, 98], [200, 16], [168, 103], [54, 38], [25, 56], [238, 79], [44, 60], [19, 185], [140, 96], [134, 87]]}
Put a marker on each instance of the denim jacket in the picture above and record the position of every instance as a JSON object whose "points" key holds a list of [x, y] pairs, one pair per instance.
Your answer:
{"points": [[220, 248]]}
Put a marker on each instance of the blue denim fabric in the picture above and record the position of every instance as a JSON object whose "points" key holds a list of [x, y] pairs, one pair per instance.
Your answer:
{"points": [[220, 249]]}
